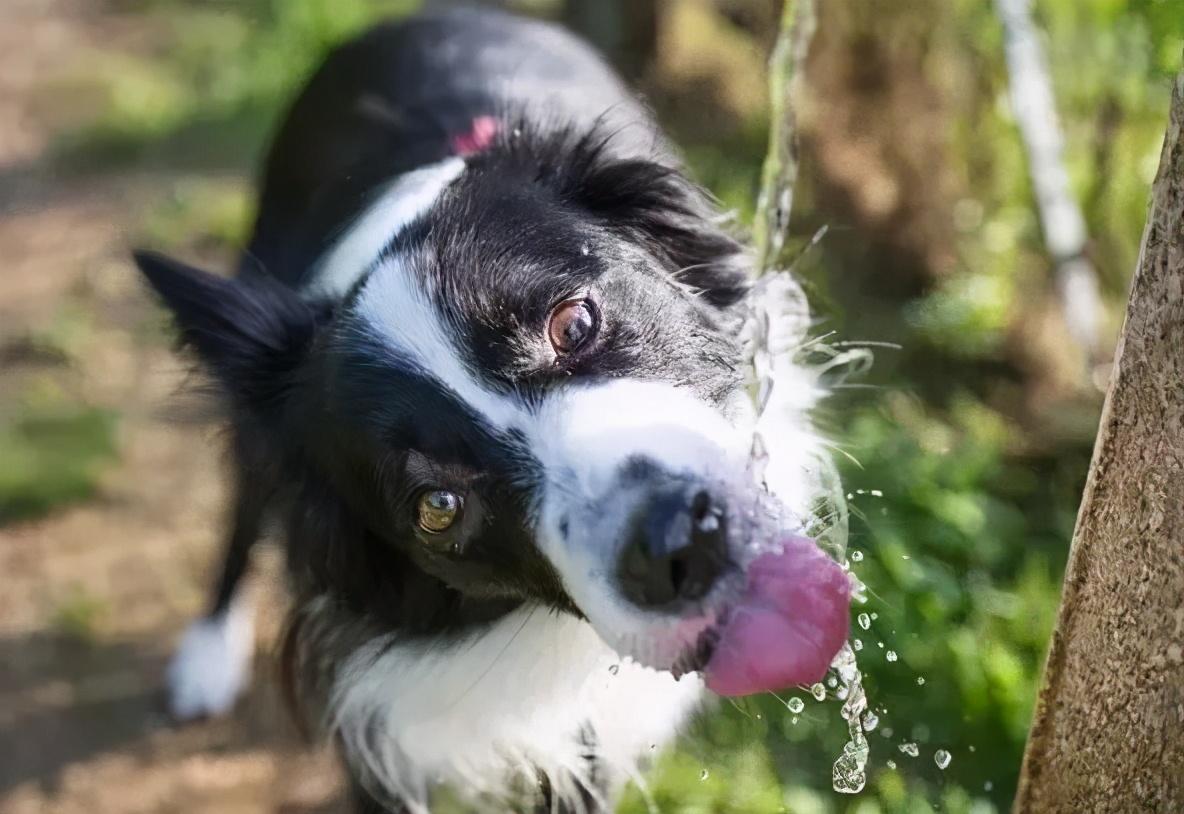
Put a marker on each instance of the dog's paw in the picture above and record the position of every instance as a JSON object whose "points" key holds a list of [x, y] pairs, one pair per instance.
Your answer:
{"points": [[212, 665]]}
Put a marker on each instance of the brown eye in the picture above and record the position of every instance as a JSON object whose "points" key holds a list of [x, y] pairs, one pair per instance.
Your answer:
{"points": [[438, 509], [571, 326]]}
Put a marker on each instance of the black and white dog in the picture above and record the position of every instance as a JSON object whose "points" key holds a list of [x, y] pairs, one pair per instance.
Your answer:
{"points": [[484, 363]]}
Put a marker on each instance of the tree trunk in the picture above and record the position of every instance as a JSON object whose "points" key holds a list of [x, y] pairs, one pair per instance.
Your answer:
{"points": [[1109, 728]]}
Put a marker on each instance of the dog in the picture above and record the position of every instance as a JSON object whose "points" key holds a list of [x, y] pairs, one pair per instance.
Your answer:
{"points": [[484, 366]]}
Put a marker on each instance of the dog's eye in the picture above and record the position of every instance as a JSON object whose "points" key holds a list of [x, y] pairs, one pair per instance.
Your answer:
{"points": [[572, 325], [438, 509]]}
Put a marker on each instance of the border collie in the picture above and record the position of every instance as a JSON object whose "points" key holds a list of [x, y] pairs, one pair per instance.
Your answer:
{"points": [[484, 364]]}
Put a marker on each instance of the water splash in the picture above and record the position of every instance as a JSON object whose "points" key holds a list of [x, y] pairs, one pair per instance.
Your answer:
{"points": [[849, 774], [942, 758], [909, 749]]}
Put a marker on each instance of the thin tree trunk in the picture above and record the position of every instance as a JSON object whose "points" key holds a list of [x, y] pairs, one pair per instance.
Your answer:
{"points": [[1034, 104], [1109, 728]]}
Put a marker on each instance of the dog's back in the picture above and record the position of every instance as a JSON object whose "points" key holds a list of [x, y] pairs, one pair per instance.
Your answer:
{"points": [[407, 94]]}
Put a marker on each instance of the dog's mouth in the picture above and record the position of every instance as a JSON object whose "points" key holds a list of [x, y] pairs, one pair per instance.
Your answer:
{"points": [[784, 627], [697, 656]]}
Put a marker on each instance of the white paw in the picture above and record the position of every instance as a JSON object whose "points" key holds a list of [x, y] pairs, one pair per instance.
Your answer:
{"points": [[212, 665]]}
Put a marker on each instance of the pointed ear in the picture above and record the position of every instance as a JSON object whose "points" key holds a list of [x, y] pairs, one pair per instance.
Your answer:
{"points": [[250, 332]]}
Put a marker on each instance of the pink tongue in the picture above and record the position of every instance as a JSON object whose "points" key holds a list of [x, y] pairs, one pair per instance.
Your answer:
{"points": [[789, 625]]}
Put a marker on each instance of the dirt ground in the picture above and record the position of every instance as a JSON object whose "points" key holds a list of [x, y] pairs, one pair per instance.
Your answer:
{"points": [[93, 597]]}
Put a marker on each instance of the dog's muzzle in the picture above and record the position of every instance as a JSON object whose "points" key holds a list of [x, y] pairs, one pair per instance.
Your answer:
{"points": [[675, 555]]}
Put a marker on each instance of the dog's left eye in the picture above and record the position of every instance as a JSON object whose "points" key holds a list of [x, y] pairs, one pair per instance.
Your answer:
{"points": [[572, 325], [438, 510]]}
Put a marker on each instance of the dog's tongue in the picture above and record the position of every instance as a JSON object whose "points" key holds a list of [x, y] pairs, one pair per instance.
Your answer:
{"points": [[788, 626]]}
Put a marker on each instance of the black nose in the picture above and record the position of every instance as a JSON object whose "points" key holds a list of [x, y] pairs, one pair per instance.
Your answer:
{"points": [[676, 549]]}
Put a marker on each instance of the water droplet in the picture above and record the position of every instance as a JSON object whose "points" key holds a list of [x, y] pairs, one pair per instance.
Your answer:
{"points": [[849, 773], [759, 717], [856, 645], [875, 616], [794, 720], [614, 668], [841, 693], [795, 705], [870, 721], [988, 786], [920, 681], [905, 557], [880, 645], [864, 620], [972, 747], [850, 496], [886, 732], [856, 556], [832, 682], [909, 749], [876, 493], [942, 758], [819, 692], [890, 655], [891, 765], [703, 775]]}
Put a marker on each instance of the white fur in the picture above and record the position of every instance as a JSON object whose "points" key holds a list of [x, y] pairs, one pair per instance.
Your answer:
{"points": [[212, 666], [395, 304], [501, 703], [399, 204]]}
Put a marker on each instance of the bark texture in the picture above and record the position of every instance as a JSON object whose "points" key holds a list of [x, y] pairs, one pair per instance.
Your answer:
{"points": [[1109, 728]]}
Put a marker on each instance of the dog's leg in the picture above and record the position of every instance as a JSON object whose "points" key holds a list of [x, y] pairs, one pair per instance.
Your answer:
{"points": [[213, 663]]}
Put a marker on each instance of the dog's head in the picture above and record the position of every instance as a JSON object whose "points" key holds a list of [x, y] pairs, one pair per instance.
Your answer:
{"points": [[515, 378]]}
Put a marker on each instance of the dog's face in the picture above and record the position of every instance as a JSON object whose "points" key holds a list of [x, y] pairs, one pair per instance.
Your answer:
{"points": [[528, 392]]}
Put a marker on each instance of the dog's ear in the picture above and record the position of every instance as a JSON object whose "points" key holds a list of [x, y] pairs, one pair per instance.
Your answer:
{"points": [[674, 218], [250, 332]]}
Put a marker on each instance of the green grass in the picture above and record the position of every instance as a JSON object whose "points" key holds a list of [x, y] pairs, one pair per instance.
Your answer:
{"points": [[52, 456]]}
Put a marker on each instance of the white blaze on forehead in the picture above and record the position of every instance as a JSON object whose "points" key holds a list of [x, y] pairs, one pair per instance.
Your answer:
{"points": [[396, 305], [585, 434], [397, 205]]}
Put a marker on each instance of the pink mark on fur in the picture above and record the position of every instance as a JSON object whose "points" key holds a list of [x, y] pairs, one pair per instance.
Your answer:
{"points": [[479, 136]]}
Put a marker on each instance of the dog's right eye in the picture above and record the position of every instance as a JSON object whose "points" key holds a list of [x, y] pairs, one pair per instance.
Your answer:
{"points": [[437, 510], [572, 325]]}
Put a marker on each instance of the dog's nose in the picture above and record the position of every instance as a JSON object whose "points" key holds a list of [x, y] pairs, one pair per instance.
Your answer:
{"points": [[676, 548]]}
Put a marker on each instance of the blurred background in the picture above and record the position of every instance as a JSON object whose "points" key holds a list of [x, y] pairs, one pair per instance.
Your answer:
{"points": [[964, 448]]}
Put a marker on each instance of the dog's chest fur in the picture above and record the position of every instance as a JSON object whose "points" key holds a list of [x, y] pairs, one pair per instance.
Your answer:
{"points": [[535, 694]]}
